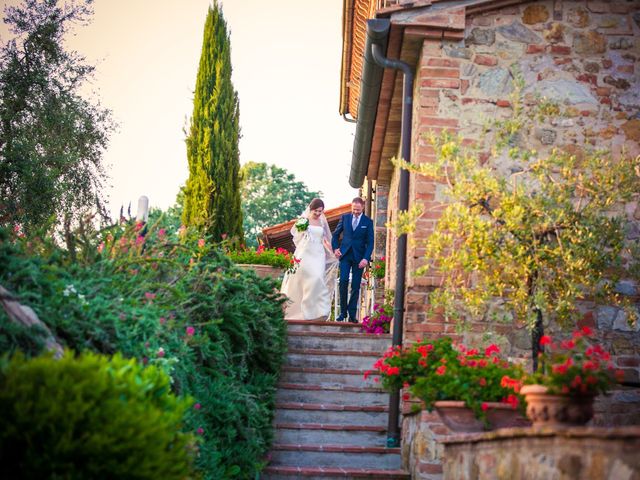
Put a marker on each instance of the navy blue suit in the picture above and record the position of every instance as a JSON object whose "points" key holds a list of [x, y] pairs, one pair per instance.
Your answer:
{"points": [[355, 246]]}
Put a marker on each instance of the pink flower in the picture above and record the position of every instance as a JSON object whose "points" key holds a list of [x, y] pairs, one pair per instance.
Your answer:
{"points": [[441, 369], [162, 320], [101, 247], [161, 233], [160, 353], [200, 431], [139, 240], [545, 340], [484, 406], [149, 296], [197, 406], [190, 331], [201, 243], [139, 226]]}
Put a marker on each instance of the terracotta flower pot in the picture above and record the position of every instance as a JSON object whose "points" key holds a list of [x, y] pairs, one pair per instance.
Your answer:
{"points": [[545, 409], [460, 418], [263, 271]]}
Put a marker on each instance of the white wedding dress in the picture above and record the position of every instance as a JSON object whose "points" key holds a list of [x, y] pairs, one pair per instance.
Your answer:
{"points": [[307, 288]]}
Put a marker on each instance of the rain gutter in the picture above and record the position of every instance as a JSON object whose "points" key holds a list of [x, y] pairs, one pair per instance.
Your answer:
{"points": [[377, 34], [375, 63]]}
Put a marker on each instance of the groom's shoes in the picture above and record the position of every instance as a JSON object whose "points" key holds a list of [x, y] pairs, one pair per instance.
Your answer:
{"points": [[352, 320], [340, 318]]}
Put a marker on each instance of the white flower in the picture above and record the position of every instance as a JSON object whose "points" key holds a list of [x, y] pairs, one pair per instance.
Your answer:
{"points": [[302, 224], [68, 290]]}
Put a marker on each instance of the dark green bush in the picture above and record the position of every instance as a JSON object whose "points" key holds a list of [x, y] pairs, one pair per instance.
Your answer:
{"points": [[172, 300], [90, 417]]}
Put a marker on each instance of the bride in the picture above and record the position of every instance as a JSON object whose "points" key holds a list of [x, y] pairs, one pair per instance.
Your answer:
{"points": [[309, 287]]}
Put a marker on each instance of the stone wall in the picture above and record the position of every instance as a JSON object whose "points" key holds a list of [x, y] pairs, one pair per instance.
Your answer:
{"points": [[530, 454], [585, 55]]}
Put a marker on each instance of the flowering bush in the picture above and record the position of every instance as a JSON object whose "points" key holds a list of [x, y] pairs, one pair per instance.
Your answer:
{"points": [[439, 370], [276, 257], [157, 293], [574, 366], [378, 268], [380, 320]]}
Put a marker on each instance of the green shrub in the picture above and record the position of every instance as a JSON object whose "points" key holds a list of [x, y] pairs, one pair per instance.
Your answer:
{"points": [[90, 417], [171, 299], [275, 257]]}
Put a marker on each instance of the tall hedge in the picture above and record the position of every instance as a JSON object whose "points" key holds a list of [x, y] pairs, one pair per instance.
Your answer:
{"points": [[212, 192]]}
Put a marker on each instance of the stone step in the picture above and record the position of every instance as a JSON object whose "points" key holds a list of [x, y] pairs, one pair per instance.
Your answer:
{"points": [[347, 359], [341, 395], [344, 456], [327, 376], [339, 341], [321, 434], [324, 473], [317, 326], [292, 412]]}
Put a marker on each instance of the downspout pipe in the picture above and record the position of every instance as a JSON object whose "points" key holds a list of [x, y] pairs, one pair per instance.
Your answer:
{"points": [[393, 429], [377, 34]]}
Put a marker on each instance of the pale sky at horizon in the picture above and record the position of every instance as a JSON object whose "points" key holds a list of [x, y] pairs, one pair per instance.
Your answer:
{"points": [[286, 61]]}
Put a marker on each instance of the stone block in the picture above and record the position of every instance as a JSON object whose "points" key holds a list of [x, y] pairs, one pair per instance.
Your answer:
{"points": [[481, 36], [578, 17], [565, 91], [589, 43], [517, 32], [536, 13], [495, 82]]}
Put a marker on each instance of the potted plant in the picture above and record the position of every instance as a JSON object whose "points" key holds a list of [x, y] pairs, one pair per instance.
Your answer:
{"points": [[472, 390], [266, 262], [571, 373]]}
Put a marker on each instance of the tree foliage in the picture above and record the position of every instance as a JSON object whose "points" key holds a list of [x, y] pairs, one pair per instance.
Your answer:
{"points": [[270, 195], [51, 138], [212, 191], [542, 238]]}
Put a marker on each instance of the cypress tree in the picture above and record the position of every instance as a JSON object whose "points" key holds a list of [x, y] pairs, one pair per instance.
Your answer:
{"points": [[212, 192]]}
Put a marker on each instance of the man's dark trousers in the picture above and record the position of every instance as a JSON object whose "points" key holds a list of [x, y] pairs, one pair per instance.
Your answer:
{"points": [[349, 265]]}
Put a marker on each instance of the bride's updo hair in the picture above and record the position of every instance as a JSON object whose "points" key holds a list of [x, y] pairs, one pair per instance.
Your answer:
{"points": [[316, 203]]}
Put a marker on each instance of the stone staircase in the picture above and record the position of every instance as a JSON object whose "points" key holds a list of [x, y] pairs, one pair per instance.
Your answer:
{"points": [[329, 421]]}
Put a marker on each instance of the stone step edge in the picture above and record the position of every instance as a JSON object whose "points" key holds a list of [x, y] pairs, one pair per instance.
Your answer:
{"points": [[323, 323], [331, 388], [332, 472], [342, 353], [331, 407], [329, 426], [332, 371], [296, 333], [334, 448]]}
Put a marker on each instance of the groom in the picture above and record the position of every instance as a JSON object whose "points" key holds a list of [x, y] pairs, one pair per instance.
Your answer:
{"points": [[354, 253]]}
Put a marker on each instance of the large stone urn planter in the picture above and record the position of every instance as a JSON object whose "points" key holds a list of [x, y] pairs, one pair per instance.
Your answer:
{"points": [[263, 271], [460, 418], [545, 409]]}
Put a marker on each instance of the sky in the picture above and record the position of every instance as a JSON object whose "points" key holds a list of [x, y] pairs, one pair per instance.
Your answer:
{"points": [[286, 68]]}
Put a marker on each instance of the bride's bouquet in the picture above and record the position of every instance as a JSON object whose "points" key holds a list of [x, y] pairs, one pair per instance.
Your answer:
{"points": [[302, 224]]}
